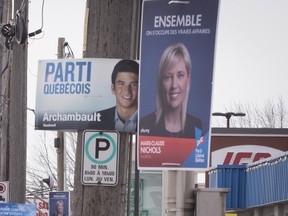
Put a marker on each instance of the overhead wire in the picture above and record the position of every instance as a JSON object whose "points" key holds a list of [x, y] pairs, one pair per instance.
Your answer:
{"points": [[19, 11], [70, 53], [42, 22]]}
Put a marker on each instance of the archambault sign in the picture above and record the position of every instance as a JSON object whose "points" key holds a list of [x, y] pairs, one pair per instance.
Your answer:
{"points": [[71, 93]]}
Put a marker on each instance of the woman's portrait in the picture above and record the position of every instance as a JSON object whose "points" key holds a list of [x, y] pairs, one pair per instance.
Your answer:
{"points": [[59, 209], [173, 80]]}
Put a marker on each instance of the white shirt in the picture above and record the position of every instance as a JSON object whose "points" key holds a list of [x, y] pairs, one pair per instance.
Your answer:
{"points": [[129, 126]]}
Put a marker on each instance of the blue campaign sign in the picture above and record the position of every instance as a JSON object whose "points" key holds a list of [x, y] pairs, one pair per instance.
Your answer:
{"points": [[77, 94], [100, 158], [59, 203], [17, 209], [176, 76]]}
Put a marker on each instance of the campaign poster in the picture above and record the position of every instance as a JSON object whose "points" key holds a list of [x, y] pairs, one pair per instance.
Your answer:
{"points": [[77, 94], [59, 203], [176, 76], [41, 205], [17, 209]]}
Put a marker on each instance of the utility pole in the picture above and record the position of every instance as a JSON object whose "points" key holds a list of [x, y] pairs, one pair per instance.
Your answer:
{"points": [[14, 108], [112, 31], [5, 13], [61, 151]]}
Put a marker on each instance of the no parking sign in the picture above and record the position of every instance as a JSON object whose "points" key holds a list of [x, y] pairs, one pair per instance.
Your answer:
{"points": [[100, 158], [4, 192]]}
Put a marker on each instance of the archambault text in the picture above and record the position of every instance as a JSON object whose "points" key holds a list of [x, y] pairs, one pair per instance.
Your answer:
{"points": [[96, 117]]}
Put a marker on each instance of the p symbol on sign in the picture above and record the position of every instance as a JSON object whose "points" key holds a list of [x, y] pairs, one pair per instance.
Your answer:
{"points": [[100, 148], [101, 145]]}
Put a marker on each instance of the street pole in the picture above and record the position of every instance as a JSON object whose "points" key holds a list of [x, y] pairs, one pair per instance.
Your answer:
{"points": [[228, 116], [4, 79], [13, 146], [61, 177], [112, 31]]}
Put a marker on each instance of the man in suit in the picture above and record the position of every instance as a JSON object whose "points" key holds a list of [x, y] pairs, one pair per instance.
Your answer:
{"points": [[123, 116]]}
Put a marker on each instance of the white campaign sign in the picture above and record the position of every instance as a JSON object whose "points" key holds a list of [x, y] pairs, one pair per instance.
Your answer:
{"points": [[100, 158]]}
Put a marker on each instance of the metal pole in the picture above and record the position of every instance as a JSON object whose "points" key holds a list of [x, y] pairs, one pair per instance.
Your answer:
{"points": [[136, 185], [129, 175], [228, 120]]}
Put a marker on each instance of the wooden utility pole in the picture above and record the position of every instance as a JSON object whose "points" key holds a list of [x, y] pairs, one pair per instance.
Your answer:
{"points": [[60, 136], [111, 31], [13, 109], [5, 12]]}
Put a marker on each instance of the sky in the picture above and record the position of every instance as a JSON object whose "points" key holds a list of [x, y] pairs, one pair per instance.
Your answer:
{"points": [[251, 58], [251, 52], [64, 19]]}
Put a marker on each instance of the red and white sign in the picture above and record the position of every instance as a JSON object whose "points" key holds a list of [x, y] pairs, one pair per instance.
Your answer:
{"points": [[4, 192], [242, 154], [42, 206]]}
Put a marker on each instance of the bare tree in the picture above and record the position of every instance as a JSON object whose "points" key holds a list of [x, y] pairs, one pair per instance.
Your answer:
{"points": [[43, 162], [271, 115], [282, 114]]}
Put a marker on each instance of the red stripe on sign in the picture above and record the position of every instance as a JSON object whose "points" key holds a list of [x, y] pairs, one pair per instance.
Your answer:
{"points": [[164, 151]]}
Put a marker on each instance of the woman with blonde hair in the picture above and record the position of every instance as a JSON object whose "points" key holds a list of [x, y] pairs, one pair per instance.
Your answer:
{"points": [[170, 118], [59, 209]]}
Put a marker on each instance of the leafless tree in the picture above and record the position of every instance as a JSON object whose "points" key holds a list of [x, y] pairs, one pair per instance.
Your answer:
{"points": [[273, 114], [43, 162]]}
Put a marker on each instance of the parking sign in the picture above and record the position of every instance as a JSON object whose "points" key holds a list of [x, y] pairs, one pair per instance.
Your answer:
{"points": [[100, 158], [4, 192]]}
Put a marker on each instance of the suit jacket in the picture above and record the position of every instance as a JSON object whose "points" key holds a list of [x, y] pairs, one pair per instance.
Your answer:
{"points": [[148, 126], [107, 120]]}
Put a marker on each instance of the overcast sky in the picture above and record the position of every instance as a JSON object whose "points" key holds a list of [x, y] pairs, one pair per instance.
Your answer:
{"points": [[252, 52], [251, 61]]}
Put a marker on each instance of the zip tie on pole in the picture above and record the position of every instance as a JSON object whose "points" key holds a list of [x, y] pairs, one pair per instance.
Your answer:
{"points": [[178, 2]]}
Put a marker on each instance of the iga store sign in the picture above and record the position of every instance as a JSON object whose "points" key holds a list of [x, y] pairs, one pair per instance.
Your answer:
{"points": [[242, 154]]}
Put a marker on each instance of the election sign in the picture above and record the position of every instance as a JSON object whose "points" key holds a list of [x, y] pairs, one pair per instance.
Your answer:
{"points": [[176, 74], [41, 204], [74, 93], [100, 158], [59, 203], [17, 209]]}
